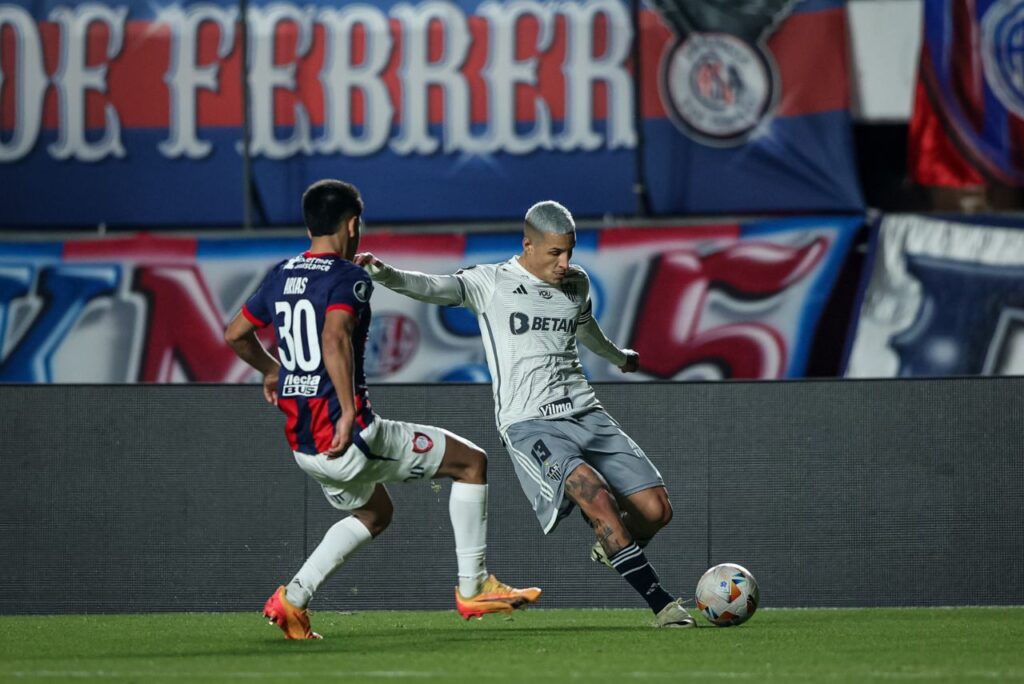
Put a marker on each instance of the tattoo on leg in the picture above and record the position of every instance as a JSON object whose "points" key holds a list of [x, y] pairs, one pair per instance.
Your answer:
{"points": [[583, 488]]}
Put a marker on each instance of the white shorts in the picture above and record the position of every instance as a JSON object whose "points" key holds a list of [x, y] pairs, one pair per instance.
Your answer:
{"points": [[401, 452]]}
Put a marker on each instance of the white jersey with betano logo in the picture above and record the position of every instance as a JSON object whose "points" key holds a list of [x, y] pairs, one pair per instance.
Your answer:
{"points": [[529, 331], [529, 335]]}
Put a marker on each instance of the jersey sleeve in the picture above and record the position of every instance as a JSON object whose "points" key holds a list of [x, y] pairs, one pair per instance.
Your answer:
{"points": [[587, 310], [351, 293], [589, 331], [257, 307], [476, 285]]}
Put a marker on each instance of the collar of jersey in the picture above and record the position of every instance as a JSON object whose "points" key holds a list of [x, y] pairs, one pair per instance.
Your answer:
{"points": [[309, 254], [522, 269]]}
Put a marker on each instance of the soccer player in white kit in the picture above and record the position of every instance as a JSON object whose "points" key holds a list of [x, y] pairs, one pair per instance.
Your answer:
{"points": [[565, 448]]}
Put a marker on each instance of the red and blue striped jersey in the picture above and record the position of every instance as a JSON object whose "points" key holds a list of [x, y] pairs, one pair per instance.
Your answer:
{"points": [[295, 297]]}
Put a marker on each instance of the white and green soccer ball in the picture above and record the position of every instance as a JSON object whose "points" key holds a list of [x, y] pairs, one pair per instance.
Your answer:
{"points": [[727, 595]]}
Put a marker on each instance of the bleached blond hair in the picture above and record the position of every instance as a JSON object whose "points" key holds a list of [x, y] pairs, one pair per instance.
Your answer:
{"points": [[550, 217]]}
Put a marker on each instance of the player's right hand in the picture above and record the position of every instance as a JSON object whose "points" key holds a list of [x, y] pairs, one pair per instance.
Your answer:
{"points": [[270, 387], [368, 261], [632, 363], [342, 437]]}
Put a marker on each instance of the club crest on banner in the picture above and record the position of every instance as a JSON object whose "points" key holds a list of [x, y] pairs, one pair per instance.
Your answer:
{"points": [[718, 81], [1002, 28], [391, 342]]}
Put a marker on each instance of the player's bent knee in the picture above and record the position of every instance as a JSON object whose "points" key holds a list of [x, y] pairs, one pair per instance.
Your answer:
{"points": [[464, 462], [663, 509], [376, 518], [650, 510], [377, 522], [663, 513], [476, 466]]}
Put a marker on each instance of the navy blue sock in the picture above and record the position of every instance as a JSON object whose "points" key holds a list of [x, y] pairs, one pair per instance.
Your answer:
{"points": [[632, 564]]}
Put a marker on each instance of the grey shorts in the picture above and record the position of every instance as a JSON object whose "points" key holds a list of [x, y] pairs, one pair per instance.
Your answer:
{"points": [[544, 452]]}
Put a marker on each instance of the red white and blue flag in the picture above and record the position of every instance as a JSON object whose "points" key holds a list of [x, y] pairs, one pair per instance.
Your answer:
{"points": [[130, 113], [968, 123]]}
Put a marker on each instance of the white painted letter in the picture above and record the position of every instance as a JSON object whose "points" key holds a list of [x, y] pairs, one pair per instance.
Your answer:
{"points": [[582, 70], [30, 82], [185, 76], [265, 77], [417, 74], [74, 79], [504, 72], [341, 78]]}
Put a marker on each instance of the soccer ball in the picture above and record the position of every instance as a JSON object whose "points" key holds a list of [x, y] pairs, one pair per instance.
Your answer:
{"points": [[727, 595]]}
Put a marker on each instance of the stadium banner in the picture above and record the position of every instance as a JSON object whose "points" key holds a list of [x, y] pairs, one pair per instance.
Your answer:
{"points": [[968, 121], [697, 302], [437, 110], [942, 298]]}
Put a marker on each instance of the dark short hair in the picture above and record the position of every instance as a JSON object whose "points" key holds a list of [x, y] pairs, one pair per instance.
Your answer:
{"points": [[327, 203]]}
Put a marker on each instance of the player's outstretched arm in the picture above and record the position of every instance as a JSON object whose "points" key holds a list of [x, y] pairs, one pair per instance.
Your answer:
{"points": [[241, 336], [593, 337], [434, 289]]}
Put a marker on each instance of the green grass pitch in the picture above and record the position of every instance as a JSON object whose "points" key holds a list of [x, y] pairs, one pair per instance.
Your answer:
{"points": [[858, 645]]}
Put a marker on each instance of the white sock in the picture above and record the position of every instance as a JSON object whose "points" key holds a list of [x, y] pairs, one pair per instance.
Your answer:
{"points": [[341, 541], [467, 506]]}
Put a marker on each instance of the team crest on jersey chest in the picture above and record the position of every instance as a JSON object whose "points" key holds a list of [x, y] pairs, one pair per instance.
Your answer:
{"points": [[570, 291]]}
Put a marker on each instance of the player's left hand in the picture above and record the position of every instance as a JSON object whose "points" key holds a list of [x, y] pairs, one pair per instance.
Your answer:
{"points": [[270, 387], [342, 437], [632, 363]]}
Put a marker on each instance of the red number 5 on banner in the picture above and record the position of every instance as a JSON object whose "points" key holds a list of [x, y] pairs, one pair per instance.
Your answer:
{"points": [[667, 331]]}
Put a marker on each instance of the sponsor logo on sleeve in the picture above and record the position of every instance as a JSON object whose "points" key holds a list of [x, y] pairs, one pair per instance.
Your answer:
{"points": [[362, 290]]}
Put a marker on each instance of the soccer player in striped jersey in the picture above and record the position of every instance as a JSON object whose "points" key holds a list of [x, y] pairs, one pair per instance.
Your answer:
{"points": [[565, 448], [319, 305]]}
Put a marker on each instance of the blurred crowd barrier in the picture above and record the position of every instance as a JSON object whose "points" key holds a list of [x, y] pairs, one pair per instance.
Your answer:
{"points": [[753, 299]]}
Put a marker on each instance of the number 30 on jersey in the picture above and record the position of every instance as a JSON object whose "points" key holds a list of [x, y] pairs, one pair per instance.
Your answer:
{"points": [[300, 342]]}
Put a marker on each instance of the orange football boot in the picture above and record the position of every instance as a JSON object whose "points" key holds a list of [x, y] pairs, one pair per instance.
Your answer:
{"points": [[495, 597], [294, 622]]}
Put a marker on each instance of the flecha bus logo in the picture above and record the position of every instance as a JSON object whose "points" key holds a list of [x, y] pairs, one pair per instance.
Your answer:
{"points": [[300, 385]]}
